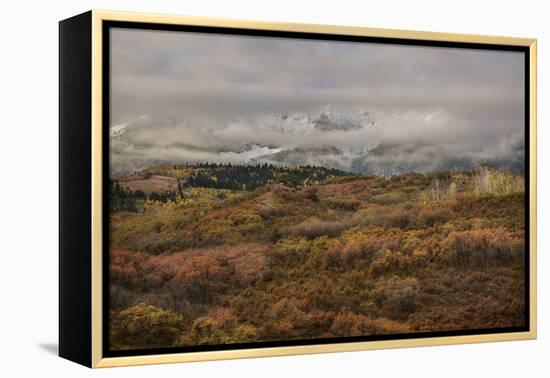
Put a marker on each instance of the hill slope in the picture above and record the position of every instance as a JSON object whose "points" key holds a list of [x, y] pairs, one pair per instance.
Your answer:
{"points": [[340, 256]]}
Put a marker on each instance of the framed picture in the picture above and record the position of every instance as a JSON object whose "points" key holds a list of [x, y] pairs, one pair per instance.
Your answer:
{"points": [[235, 189]]}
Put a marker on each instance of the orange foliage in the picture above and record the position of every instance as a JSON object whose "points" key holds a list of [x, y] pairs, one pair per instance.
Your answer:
{"points": [[352, 256]]}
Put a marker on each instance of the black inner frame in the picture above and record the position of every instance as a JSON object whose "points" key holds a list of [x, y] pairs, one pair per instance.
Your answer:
{"points": [[107, 25]]}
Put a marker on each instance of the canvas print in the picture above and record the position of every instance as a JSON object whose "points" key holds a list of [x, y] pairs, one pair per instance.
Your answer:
{"points": [[276, 189]]}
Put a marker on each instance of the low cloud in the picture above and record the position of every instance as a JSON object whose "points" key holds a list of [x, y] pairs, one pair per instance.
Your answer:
{"points": [[206, 97]]}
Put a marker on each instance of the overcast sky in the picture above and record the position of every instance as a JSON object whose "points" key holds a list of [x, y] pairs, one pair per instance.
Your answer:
{"points": [[181, 96]]}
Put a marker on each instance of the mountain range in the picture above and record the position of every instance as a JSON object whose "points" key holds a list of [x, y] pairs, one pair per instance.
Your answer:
{"points": [[353, 140]]}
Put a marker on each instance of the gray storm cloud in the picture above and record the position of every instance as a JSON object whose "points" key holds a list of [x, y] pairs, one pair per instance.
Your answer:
{"points": [[180, 96]]}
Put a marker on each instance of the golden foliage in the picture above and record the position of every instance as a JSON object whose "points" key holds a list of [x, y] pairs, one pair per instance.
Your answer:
{"points": [[350, 256]]}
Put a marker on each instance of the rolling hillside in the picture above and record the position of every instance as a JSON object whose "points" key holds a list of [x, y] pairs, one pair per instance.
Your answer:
{"points": [[216, 254]]}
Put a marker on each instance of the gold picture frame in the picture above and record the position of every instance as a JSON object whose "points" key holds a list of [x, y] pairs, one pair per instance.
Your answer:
{"points": [[93, 263]]}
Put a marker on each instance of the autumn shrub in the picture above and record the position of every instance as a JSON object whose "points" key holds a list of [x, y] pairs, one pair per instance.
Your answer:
{"points": [[358, 252], [348, 323], [328, 294], [319, 323], [467, 318], [252, 304], [145, 326], [430, 216], [201, 274], [388, 198], [126, 268], [286, 319], [420, 258], [343, 204], [391, 263], [314, 227], [245, 333], [464, 249], [121, 297], [270, 208], [215, 328], [384, 216], [396, 297], [199, 278]]}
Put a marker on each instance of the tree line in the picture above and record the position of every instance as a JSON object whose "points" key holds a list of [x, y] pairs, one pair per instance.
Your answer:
{"points": [[223, 176], [252, 177]]}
